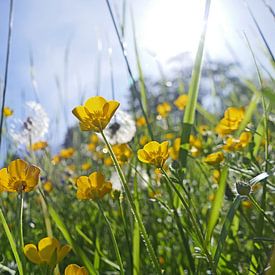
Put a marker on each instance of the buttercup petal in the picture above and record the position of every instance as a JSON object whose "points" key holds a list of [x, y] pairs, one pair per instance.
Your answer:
{"points": [[96, 179], [152, 146], [164, 147], [110, 108], [143, 156], [30, 250], [32, 177], [4, 180], [95, 104], [61, 253], [47, 247], [80, 113], [17, 169]]}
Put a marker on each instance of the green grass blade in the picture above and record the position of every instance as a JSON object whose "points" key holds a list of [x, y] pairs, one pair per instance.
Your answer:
{"points": [[226, 226], [258, 137], [136, 235], [216, 205], [78, 251], [12, 242], [189, 114]]}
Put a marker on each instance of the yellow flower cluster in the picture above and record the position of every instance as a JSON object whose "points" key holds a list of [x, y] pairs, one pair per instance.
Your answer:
{"points": [[214, 158], [164, 109], [49, 251], [39, 145], [181, 101], [19, 177], [231, 121], [232, 144], [122, 152]]}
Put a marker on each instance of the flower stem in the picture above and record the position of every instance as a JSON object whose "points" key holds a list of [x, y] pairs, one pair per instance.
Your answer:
{"points": [[21, 234], [133, 208], [113, 238]]}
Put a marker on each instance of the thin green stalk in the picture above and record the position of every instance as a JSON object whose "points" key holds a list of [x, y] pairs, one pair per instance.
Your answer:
{"points": [[142, 107], [193, 220], [189, 114], [6, 69], [112, 237], [136, 214], [12, 243], [261, 210], [21, 233]]}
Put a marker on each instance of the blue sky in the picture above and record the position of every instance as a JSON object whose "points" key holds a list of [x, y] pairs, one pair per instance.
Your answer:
{"points": [[165, 27]]}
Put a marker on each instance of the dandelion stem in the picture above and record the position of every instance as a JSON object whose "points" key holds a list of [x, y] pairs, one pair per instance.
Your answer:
{"points": [[113, 238], [133, 208]]}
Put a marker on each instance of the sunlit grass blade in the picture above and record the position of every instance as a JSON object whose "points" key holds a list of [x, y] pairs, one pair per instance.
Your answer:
{"points": [[217, 204], [78, 251], [225, 229], [258, 137], [208, 116], [189, 114], [6, 72], [12, 243], [136, 235]]}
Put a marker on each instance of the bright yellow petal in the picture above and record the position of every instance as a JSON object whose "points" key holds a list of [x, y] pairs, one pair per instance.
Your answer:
{"points": [[152, 146], [17, 169], [61, 253], [74, 269], [96, 179], [32, 177], [143, 156], [4, 180], [164, 147], [95, 104], [80, 113], [30, 250], [109, 108], [47, 247], [83, 182]]}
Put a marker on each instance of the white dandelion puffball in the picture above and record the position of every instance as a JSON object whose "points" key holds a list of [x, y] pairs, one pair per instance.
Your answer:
{"points": [[116, 183], [121, 128], [33, 127]]}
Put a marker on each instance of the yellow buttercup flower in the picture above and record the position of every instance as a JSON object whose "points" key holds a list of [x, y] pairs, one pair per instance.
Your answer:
{"points": [[49, 251], [55, 159], [216, 175], [214, 158], [19, 177], [95, 114], [93, 187], [232, 144], [181, 102], [67, 153], [174, 150], [91, 147], [231, 121], [86, 166], [195, 146], [154, 153], [40, 145], [108, 161], [141, 121], [169, 136], [48, 186], [7, 112], [74, 269], [163, 109], [245, 138], [123, 152]]}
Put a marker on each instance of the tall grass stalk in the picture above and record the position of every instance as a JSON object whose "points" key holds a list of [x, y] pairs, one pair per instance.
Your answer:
{"points": [[6, 73], [136, 214], [121, 43], [12, 243], [113, 238], [189, 114]]}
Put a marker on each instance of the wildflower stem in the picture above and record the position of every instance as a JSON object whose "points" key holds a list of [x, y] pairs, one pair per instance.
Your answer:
{"points": [[193, 220], [261, 210], [133, 208], [21, 234], [12, 243], [113, 238]]}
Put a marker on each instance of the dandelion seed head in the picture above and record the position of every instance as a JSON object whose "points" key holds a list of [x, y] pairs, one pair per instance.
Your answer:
{"points": [[121, 128], [33, 127]]}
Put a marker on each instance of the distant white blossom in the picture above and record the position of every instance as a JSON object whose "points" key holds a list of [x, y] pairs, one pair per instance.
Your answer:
{"points": [[121, 128], [33, 127]]}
